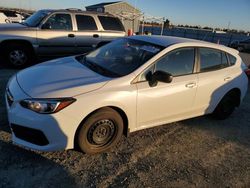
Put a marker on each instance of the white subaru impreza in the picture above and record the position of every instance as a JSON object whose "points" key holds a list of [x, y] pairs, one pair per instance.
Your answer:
{"points": [[89, 101]]}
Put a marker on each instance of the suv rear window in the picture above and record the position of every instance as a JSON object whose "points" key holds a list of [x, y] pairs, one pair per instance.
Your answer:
{"points": [[111, 23], [85, 23], [211, 59]]}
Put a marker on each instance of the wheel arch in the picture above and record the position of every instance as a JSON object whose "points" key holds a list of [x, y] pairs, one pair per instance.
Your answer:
{"points": [[15, 42], [236, 92], [117, 109]]}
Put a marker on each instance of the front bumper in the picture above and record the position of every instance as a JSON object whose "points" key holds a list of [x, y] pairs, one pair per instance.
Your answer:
{"points": [[44, 132]]}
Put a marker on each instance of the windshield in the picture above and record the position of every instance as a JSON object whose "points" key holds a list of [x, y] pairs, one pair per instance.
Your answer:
{"points": [[35, 19], [119, 58]]}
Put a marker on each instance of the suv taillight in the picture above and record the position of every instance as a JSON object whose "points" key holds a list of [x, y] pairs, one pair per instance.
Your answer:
{"points": [[247, 71]]}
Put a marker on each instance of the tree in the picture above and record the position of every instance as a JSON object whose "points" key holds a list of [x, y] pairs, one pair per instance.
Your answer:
{"points": [[167, 24]]}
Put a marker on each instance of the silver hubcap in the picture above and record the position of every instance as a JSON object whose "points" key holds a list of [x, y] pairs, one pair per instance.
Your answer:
{"points": [[17, 57]]}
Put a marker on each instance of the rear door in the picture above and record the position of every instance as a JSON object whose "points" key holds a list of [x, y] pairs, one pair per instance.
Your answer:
{"points": [[87, 35], [214, 78], [56, 36], [112, 28]]}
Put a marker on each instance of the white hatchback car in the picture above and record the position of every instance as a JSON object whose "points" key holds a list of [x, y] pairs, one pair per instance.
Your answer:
{"points": [[89, 101]]}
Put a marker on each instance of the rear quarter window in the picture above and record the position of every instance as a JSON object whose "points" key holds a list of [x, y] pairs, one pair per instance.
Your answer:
{"points": [[111, 23], [232, 59]]}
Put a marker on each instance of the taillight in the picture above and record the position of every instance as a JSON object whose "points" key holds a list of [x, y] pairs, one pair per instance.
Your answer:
{"points": [[247, 71]]}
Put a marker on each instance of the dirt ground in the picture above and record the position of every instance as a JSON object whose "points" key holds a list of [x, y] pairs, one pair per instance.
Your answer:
{"points": [[200, 152]]}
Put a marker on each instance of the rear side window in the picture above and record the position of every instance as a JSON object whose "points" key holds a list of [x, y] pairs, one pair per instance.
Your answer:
{"points": [[211, 59], [111, 23], [85, 23], [232, 59], [178, 62]]}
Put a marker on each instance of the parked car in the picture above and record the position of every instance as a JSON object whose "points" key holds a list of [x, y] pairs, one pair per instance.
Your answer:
{"points": [[3, 18], [133, 83], [13, 16], [241, 46], [57, 33]]}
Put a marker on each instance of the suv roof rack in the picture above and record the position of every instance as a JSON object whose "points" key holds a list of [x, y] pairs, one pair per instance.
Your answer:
{"points": [[73, 9]]}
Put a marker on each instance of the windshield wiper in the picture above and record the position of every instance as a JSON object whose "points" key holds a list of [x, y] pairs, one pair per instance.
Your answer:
{"points": [[99, 69], [96, 68]]}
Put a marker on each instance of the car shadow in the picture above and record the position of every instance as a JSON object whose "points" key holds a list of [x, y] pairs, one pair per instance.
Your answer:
{"points": [[30, 169], [26, 168], [233, 129]]}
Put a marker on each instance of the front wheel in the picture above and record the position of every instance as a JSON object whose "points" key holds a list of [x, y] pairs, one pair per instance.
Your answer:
{"points": [[18, 56], [100, 131]]}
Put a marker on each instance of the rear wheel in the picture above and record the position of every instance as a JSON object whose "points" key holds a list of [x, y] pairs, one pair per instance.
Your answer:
{"points": [[18, 56], [226, 106], [101, 131]]}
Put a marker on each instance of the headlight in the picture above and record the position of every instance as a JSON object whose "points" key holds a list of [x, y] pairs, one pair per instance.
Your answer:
{"points": [[46, 106]]}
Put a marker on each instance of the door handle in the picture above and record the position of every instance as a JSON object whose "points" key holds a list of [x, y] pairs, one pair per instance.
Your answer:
{"points": [[95, 35], [227, 79], [191, 85], [71, 35]]}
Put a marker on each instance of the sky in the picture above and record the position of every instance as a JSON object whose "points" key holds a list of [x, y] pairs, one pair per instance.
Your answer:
{"points": [[212, 13]]}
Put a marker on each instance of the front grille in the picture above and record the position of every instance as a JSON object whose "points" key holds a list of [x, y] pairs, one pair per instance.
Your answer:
{"points": [[10, 98], [33, 136]]}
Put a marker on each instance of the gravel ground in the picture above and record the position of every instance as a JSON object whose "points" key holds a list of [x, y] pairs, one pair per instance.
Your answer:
{"points": [[200, 152]]}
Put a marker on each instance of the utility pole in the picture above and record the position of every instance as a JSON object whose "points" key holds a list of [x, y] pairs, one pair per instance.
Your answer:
{"points": [[229, 23]]}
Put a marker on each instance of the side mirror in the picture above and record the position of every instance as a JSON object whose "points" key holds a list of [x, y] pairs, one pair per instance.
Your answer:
{"points": [[46, 26], [160, 76]]}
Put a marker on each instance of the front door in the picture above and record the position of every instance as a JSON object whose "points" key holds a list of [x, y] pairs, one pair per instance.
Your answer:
{"points": [[168, 102], [56, 36]]}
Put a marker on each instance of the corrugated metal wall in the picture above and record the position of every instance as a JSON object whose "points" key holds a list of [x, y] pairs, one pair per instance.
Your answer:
{"points": [[117, 9]]}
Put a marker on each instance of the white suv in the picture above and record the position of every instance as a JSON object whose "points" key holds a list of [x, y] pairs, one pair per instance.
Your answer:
{"points": [[3, 18], [133, 83]]}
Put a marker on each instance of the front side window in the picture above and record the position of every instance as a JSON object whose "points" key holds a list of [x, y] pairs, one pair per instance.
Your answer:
{"points": [[85, 23], [178, 62], [111, 23], [120, 57], [59, 22], [211, 59]]}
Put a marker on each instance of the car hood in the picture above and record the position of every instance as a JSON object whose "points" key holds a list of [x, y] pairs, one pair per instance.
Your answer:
{"points": [[64, 77], [12, 26]]}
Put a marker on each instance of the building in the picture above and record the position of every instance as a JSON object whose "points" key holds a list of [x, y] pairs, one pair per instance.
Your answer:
{"points": [[129, 15]]}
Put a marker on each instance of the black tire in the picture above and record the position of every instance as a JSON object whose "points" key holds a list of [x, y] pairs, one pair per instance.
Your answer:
{"points": [[18, 55], [226, 106], [100, 131]]}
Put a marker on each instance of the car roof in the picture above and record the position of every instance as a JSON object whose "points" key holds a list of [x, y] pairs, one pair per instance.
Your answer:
{"points": [[166, 41]]}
